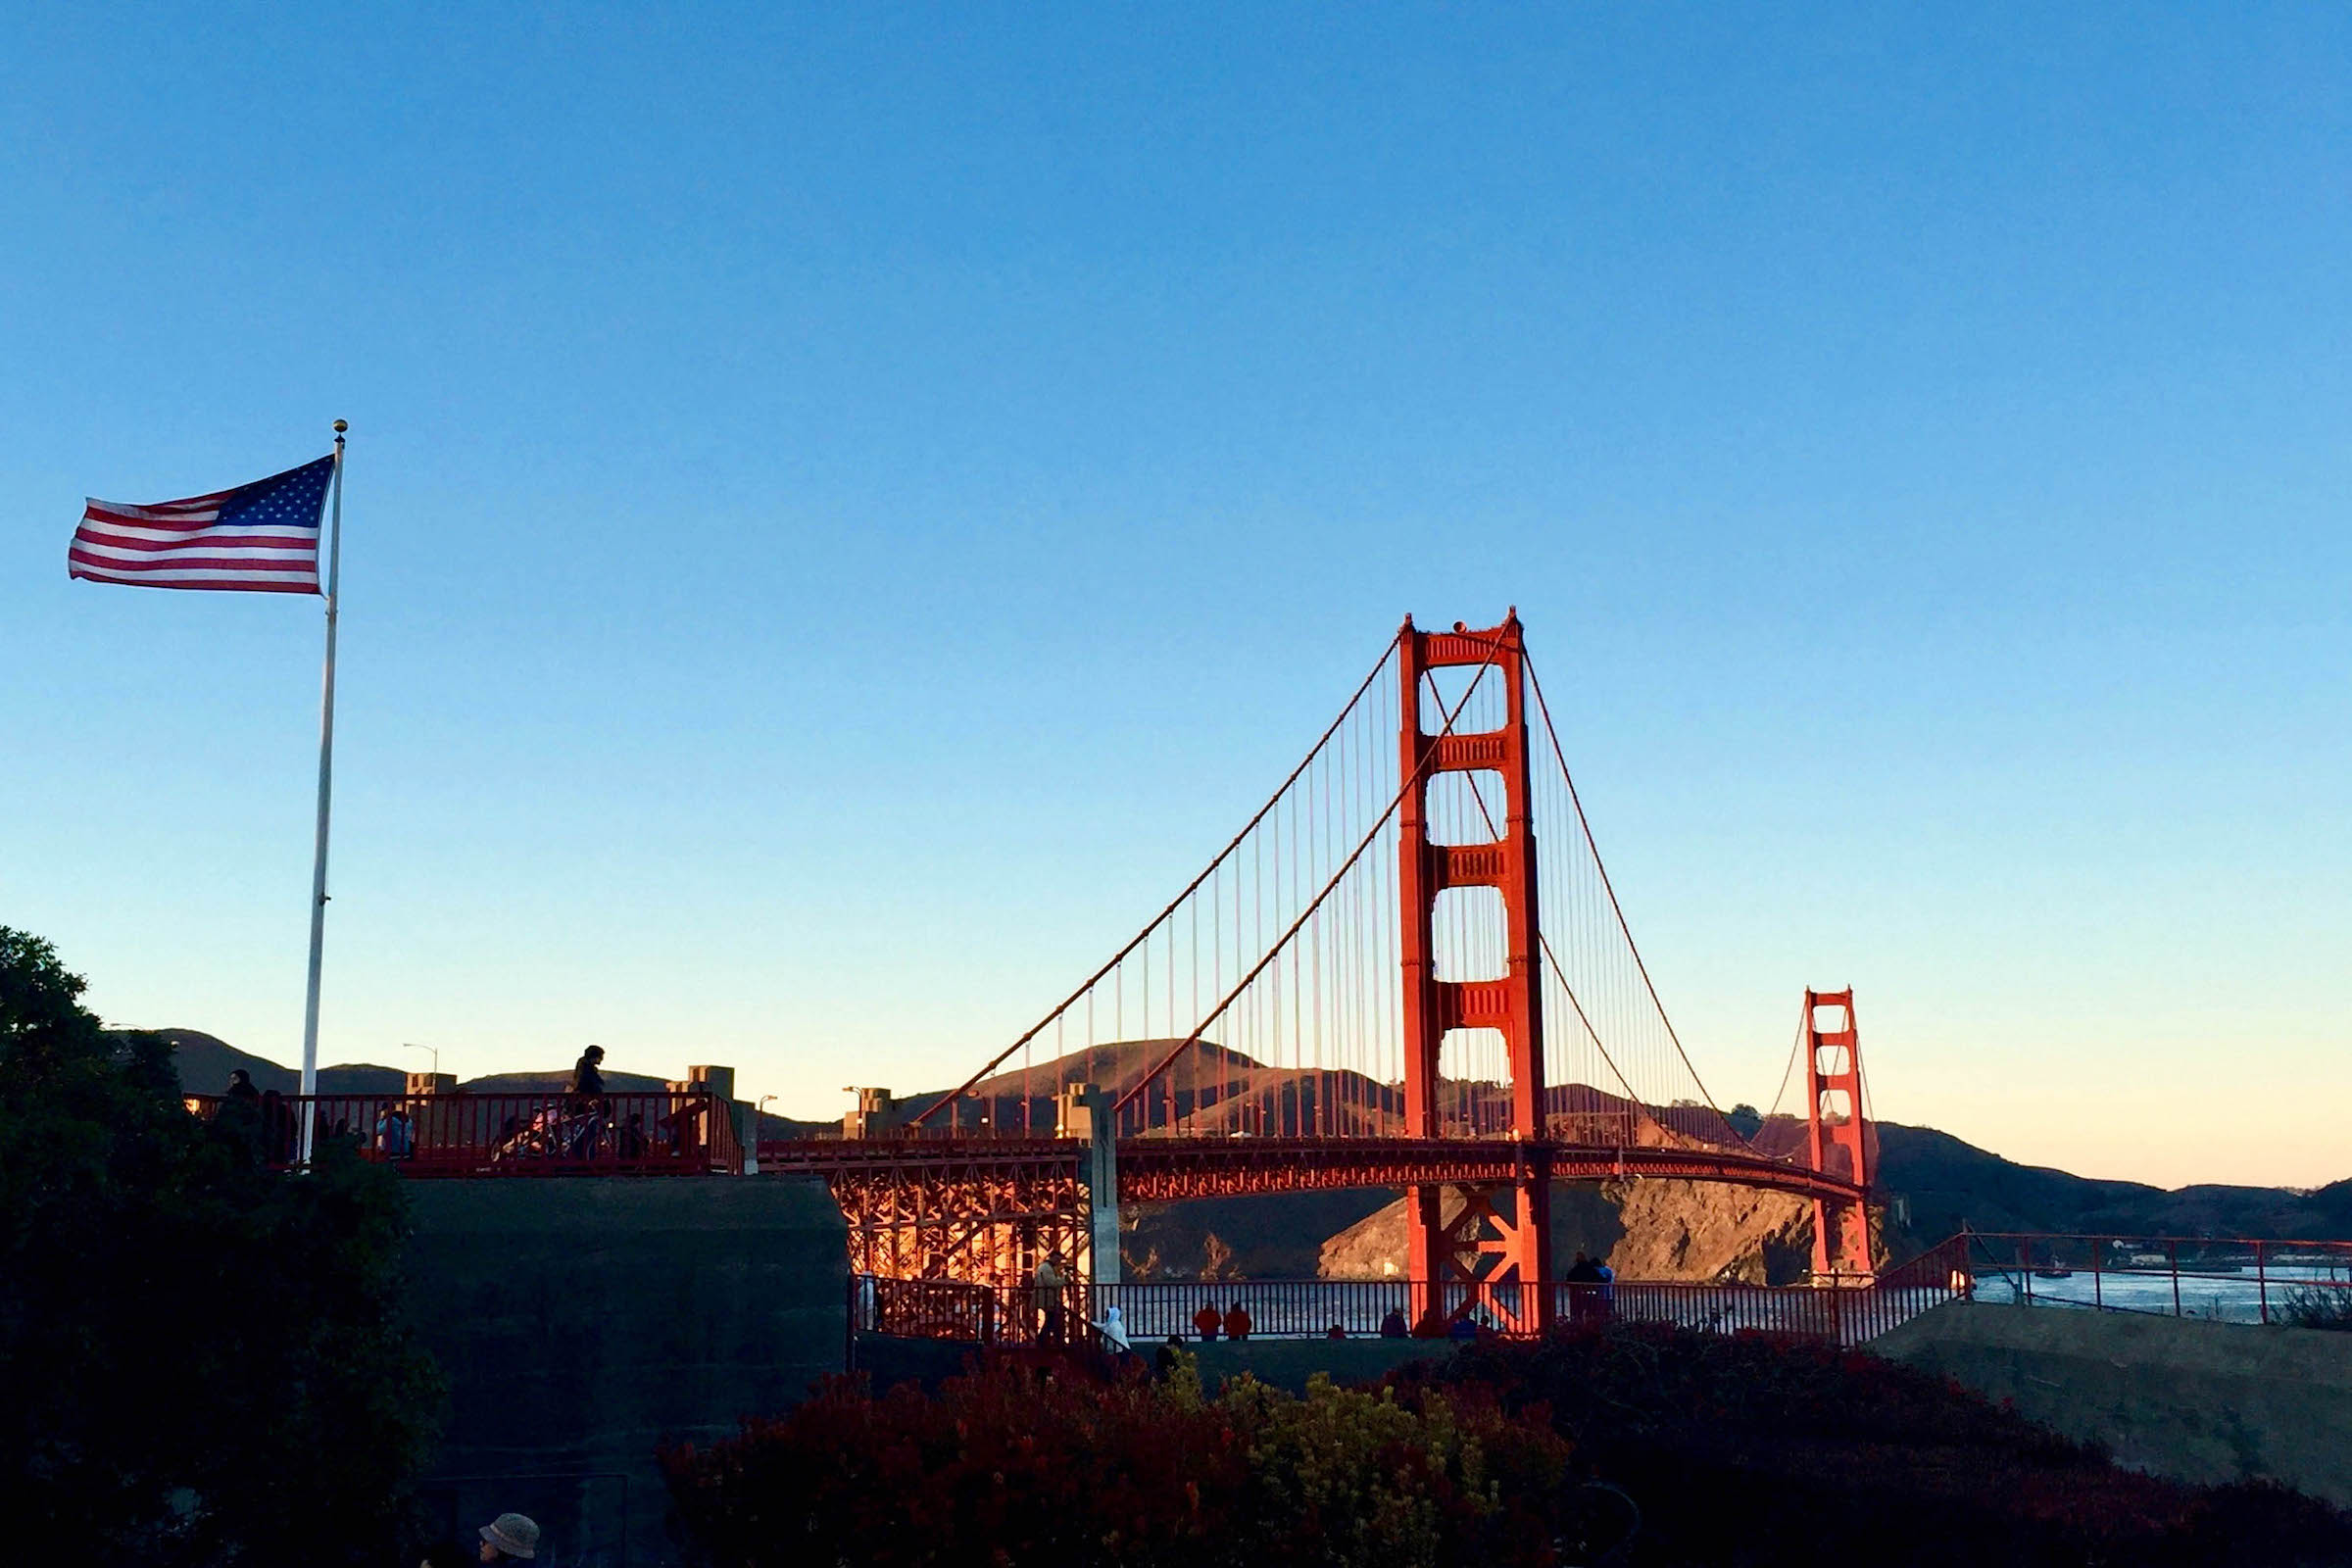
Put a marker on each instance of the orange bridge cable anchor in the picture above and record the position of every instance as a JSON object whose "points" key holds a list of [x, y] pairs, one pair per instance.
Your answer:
{"points": [[1610, 888], [1174, 903], [1493, 647]]}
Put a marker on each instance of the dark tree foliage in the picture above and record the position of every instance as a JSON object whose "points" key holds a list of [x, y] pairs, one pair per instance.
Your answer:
{"points": [[203, 1362]]}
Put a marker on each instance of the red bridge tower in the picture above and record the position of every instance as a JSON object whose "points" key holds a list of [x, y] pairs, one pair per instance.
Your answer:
{"points": [[1840, 1136], [1495, 1246]]}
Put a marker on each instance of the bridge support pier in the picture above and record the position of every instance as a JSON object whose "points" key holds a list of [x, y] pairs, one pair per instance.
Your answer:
{"points": [[1484, 1248], [1086, 1114]]}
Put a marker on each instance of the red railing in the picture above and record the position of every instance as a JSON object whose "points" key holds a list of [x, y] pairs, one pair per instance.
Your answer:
{"points": [[2228, 1279], [631, 1133], [1152, 1311]]}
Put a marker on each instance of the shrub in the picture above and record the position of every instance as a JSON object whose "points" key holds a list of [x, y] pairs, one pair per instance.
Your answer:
{"points": [[2313, 1306], [1023, 1461], [1738, 1451]]}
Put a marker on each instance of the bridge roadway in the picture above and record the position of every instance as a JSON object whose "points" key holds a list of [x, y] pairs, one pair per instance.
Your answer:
{"points": [[1161, 1169]]}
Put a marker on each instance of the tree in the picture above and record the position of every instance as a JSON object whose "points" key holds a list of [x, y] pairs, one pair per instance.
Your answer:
{"points": [[1745, 1119], [206, 1362]]}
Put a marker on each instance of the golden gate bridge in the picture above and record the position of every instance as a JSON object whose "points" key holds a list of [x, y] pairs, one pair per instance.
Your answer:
{"points": [[1407, 969]]}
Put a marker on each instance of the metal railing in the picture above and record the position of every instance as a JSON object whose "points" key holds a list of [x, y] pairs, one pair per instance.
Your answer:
{"points": [[1835, 1311], [546, 1134], [2226, 1279]]}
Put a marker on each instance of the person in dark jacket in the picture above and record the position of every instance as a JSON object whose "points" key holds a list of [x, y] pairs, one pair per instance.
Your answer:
{"points": [[278, 1129], [1392, 1327], [586, 1105], [240, 1112], [588, 1078], [1583, 1280]]}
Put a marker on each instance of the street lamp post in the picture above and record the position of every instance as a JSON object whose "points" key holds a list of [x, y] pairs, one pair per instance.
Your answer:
{"points": [[751, 1155]]}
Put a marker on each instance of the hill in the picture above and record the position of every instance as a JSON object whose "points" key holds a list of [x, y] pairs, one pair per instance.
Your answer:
{"points": [[1944, 1182], [205, 1063]]}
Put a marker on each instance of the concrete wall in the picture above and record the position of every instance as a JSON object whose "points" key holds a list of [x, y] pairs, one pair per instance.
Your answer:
{"points": [[2197, 1401], [582, 1322], [1289, 1363]]}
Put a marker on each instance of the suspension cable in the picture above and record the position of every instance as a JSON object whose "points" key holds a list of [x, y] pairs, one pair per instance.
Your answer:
{"points": [[1420, 769], [1174, 903], [1609, 888]]}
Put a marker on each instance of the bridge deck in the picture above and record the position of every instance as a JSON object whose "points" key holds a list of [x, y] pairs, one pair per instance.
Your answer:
{"points": [[1155, 1170]]}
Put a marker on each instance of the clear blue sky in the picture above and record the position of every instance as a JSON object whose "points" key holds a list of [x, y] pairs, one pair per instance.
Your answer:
{"points": [[849, 506]]}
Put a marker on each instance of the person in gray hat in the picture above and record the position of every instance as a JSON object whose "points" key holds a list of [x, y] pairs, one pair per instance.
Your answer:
{"points": [[510, 1537]]}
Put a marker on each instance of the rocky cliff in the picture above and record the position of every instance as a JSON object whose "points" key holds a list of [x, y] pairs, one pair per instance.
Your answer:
{"points": [[1652, 1230]]}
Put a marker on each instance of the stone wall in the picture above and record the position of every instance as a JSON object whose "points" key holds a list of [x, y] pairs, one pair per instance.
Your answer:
{"points": [[582, 1322]]}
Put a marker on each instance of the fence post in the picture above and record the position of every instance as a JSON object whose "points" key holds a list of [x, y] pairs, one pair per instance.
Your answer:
{"points": [[2261, 1281], [2098, 1297], [2172, 1249]]}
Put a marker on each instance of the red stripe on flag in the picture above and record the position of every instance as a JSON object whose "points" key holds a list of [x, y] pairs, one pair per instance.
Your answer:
{"points": [[136, 519], [193, 564], [253, 585], [217, 539]]}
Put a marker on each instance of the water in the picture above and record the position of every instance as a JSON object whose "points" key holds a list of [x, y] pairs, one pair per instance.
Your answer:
{"points": [[2221, 1296]]}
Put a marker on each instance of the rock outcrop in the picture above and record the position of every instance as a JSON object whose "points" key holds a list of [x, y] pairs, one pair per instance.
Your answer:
{"points": [[1646, 1230]]}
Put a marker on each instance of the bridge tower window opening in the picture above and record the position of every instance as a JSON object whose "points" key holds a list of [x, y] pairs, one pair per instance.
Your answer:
{"points": [[1474, 1084], [1466, 807], [1468, 934], [1473, 695]]}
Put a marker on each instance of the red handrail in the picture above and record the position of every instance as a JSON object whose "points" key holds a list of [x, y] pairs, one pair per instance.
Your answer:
{"points": [[542, 1133]]}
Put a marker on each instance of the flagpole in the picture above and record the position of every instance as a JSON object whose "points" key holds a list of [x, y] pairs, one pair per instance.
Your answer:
{"points": [[326, 775]]}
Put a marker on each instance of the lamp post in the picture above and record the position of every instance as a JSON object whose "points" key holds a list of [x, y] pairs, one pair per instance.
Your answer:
{"points": [[434, 1050], [751, 1156]]}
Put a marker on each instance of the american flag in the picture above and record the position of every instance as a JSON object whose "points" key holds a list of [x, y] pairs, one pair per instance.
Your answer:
{"points": [[261, 537]]}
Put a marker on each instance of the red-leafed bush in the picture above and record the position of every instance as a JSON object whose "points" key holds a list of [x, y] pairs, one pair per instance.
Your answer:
{"points": [[1020, 1464]]}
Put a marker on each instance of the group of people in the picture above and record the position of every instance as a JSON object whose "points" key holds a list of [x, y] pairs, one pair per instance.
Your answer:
{"points": [[582, 1125], [577, 1127], [1592, 1290], [263, 1121], [1234, 1322], [1591, 1299], [266, 1120]]}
